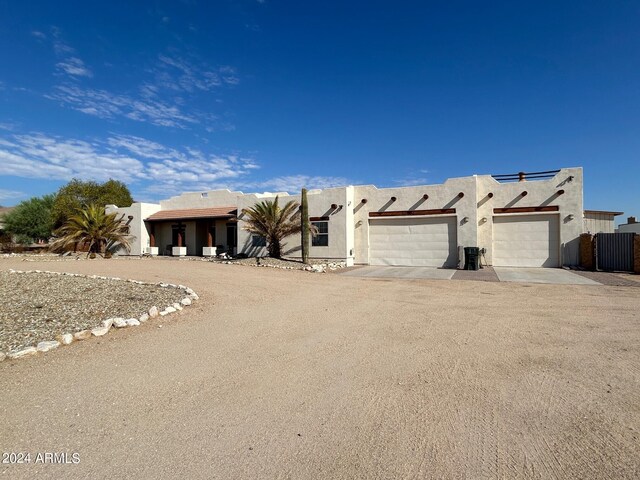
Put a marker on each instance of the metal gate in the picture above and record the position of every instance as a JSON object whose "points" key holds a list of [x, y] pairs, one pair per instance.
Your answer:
{"points": [[614, 252]]}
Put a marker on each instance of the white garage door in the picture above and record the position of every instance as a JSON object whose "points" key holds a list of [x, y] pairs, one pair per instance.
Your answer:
{"points": [[418, 242], [526, 241]]}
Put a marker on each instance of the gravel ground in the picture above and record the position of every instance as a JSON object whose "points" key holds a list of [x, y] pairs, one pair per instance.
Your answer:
{"points": [[41, 306]]}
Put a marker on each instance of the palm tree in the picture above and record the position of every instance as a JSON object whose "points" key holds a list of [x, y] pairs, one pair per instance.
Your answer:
{"points": [[93, 227], [273, 222]]}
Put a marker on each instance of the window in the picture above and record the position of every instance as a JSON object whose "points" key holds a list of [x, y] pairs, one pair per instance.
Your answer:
{"points": [[321, 239], [258, 241]]}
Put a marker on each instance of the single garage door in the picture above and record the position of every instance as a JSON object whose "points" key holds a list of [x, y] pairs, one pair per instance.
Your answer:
{"points": [[526, 241], [417, 242]]}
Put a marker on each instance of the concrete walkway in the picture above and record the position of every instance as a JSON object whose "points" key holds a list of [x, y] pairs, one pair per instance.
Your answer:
{"points": [[553, 276]]}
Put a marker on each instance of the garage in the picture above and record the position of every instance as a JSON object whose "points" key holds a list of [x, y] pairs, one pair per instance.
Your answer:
{"points": [[526, 240], [416, 242]]}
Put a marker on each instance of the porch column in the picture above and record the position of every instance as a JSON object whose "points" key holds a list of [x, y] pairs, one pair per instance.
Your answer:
{"points": [[153, 250], [179, 250], [152, 236], [209, 250]]}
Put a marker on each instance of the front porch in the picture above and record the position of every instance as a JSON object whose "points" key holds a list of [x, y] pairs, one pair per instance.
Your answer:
{"points": [[193, 232]]}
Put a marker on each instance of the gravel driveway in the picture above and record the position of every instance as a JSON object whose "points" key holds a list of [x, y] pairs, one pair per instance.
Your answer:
{"points": [[288, 374]]}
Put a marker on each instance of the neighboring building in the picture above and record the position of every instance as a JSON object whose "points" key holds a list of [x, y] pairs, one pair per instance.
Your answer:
{"points": [[600, 221], [632, 226], [534, 222]]}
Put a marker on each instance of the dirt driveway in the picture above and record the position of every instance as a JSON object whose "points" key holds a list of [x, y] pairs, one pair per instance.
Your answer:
{"points": [[288, 374]]}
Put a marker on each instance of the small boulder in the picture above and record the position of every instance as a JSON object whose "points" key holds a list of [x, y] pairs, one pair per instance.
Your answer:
{"points": [[170, 310], [22, 353], [132, 322], [153, 312], [119, 322], [66, 338], [99, 331], [177, 306], [107, 323], [144, 317], [2, 356], [185, 301], [82, 334], [48, 345], [194, 296]]}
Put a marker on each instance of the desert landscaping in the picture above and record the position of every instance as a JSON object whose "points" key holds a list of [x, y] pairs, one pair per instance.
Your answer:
{"points": [[278, 373]]}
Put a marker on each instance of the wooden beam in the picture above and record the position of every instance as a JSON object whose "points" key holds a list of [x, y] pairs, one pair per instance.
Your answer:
{"points": [[405, 213], [550, 208]]}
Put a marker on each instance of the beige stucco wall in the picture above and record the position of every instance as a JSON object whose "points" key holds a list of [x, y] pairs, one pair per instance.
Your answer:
{"points": [[539, 193], [211, 198], [441, 196], [320, 201], [137, 228]]}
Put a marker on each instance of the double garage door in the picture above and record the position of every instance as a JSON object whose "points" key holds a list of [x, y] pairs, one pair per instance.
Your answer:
{"points": [[418, 242], [526, 241], [518, 241]]}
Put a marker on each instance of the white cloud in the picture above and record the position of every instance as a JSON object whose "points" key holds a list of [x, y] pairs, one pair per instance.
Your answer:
{"points": [[42, 156], [178, 74], [10, 194], [411, 181], [158, 171], [122, 157], [104, 104], [69, 62], [75, 67], [294, 183]]}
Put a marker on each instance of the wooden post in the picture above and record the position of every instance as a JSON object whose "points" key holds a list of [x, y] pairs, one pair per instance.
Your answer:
{"points": [[179, 238], [152, 235], [209, 236]]}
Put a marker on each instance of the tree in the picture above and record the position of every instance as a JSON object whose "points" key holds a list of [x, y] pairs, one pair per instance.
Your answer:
{"points": [[91, 226], [273, 222], [31, 220], [78, 194]]}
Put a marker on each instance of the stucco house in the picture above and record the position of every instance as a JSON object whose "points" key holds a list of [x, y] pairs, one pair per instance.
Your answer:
{"points": [[632, 226], [526, 220]]}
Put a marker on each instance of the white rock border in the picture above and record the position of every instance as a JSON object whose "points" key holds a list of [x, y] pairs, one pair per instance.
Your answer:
{"points": [[313, 268], [103, 329]]}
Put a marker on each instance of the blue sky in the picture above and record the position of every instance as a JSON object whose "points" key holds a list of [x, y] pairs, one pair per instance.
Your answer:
{"points": [[266, 95]]}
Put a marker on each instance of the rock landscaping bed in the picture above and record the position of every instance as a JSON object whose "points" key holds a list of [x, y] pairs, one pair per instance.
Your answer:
{"points": [[42, 310], [318, 266]]}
